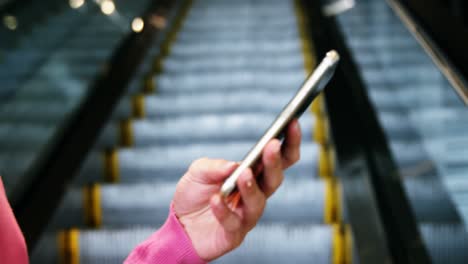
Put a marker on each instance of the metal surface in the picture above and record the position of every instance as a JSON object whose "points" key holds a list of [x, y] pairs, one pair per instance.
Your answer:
{"points": [[362, 212], [175, 147], [441, 35], [391, 234]]}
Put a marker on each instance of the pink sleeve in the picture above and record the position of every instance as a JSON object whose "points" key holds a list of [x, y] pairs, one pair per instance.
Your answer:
{"points": [[12, 245], [170, 244]]}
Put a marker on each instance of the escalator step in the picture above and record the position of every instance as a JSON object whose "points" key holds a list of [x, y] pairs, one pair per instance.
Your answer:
{"points": [[148, 203], [227, 81], [209, 128], [222, 102], [171, 162], [264, 244]]}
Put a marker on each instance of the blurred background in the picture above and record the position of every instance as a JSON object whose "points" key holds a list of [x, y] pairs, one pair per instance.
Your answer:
{"points": [[105, 103]]}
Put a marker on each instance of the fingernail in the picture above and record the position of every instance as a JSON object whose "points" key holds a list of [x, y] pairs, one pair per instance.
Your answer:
{"points": [[296, 125], [249, 184]]}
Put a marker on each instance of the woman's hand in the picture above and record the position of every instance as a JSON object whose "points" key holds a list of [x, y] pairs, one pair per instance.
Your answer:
{"points": [[212, 226]]}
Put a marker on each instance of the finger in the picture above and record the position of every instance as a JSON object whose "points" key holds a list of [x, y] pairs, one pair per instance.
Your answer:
{"points": [[229, 220], [253, 199], [211, 171], [291, 144], [273, 168]]}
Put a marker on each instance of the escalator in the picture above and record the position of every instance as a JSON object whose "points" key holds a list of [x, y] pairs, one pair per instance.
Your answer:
{"points": [[211, 95], [45, 76], [423, 120], [211, 81]]}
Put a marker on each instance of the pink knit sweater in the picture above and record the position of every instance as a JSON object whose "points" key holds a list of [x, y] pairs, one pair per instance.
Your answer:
{"points": [[170, 244], [12, 245]]}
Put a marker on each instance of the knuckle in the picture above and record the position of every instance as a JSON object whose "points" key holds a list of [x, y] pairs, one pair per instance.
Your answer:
{"points": [[257, 205], [280, 179], [293, 157], [252, 225], [296, 156], [277, 182], [299, 133], [198, 163], [262, 204], [235, 225], [259, 202], [238, 240], [273, 184]]}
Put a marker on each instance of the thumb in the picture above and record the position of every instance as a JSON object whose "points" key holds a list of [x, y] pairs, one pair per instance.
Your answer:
{"points": [[211, 171]]}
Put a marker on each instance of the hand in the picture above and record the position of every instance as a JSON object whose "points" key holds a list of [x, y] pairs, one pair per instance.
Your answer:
{"points": [[212, 226]]}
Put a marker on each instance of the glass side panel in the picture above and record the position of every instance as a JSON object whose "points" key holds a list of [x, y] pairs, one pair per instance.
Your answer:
{"points": [[50, 54], [425, 122]]}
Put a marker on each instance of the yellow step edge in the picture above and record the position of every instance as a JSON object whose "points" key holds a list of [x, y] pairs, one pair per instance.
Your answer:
{"points": [[326, 165], [62, 246], [96, 205], [299, 14], [74, 245], [148, 84], [157, 67], [348, 239], [318, 105], [331, 158], [309, 56], [329, 200], [332, 210], [307, 45], [111, 166], [309, 65], [68, 244], [179, 20], [186, 9], [126, 138], [339, 250], [320, 132], [92, 205], [339, 201], [138, 106], [172, 34], [307, 49], [166, 48]]}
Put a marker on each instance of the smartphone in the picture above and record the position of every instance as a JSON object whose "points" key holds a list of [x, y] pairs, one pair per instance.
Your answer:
{"points": [[312, 86]]}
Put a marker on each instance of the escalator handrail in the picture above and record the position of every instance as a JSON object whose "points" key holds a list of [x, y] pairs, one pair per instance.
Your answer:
{"points": [[50, 178], [443, 36], [388, 233]]}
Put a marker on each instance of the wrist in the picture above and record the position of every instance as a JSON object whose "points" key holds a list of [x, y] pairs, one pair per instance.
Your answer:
{"points": [[192, 230], [170, 244], [202, 231]]}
